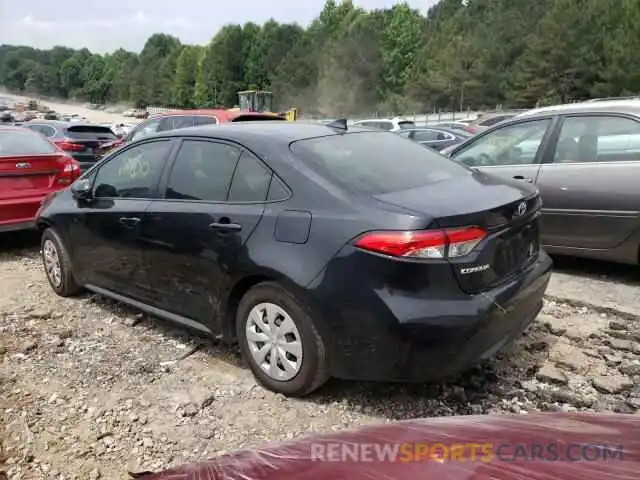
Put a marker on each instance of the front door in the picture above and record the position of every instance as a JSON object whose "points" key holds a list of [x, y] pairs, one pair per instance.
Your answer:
{"points": [[590, 190], [106, 231], [197, 232], [513, 152]]}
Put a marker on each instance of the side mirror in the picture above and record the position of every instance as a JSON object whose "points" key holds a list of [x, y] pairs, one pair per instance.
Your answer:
{"points": [[82, 189]]}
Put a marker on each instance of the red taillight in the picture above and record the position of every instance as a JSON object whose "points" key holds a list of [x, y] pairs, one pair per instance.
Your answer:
{"points": [[70, 172], [69, 145], [472, 129], [449, 243]]}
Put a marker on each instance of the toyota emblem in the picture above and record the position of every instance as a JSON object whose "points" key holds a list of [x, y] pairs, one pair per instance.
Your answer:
{"points": [[522, 209]]}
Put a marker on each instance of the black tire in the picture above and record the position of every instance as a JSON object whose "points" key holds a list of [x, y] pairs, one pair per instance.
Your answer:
{"points": [[314, 370], [68, 286]]}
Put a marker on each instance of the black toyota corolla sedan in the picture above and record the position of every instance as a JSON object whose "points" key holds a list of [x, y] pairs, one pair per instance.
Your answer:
{"points": [[324, 250]]}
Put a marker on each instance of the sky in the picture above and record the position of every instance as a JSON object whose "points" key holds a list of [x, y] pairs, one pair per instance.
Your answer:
{"points": [[104, 25]]}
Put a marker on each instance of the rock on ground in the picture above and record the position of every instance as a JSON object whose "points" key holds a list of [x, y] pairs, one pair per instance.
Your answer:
{"points": [[90, 389]]}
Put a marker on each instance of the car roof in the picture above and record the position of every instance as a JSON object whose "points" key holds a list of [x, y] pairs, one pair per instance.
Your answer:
{"points": [[609, 106], [244, 132]]}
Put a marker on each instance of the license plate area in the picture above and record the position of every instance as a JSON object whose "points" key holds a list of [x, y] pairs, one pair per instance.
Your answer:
{"points": [[517, 248]]}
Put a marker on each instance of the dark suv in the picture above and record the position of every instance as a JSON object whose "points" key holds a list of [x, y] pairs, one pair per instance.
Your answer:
{"points": [[82, 141]]}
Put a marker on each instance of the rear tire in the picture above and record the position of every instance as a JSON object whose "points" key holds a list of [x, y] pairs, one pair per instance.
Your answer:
{"points": [[287, 354], [57, 265]]}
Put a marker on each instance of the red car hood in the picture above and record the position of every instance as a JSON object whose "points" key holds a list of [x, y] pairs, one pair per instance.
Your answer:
{"points": [[552, 446]]}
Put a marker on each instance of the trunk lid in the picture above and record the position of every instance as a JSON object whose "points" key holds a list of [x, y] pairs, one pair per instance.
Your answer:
{"points": [[23, 176], [507, 211], [92, 138]]}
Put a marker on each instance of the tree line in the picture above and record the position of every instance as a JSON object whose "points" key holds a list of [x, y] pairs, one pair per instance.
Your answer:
{"points": [[461, 54]]}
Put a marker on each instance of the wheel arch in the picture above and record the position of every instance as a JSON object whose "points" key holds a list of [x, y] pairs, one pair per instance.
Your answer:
{"points": [[241, 286]]}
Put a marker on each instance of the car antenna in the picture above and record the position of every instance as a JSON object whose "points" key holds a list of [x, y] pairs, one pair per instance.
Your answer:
{"points": [[340, 124]]}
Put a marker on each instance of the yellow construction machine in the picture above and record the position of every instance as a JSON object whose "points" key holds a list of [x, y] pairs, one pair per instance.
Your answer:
{"points": [[261, 101]]}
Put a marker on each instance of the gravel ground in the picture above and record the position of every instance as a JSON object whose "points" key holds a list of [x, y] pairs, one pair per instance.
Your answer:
{"points": [[90, 389]]}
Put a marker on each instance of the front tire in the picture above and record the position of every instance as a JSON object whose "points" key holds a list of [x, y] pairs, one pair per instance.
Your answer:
{"points": [[57, 265], [279, 341]]}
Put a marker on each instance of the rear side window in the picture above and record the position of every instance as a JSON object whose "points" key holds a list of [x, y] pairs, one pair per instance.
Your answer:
{"points": [[24, 142], [202, 120], [45, 130], [174, 122], [495, 120], [202, 171], [90, 132], [372, 163], [251, 180], [256, 118]]}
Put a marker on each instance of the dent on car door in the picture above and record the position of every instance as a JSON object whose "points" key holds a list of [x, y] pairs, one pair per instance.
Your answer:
{"points": [[106, 229], [590, 190], [513, 152], [196, 233]]}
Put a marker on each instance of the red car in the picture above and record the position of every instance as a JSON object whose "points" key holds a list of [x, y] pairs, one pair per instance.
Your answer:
{"points": [[551, 446], [30, 168], [162, 122]]}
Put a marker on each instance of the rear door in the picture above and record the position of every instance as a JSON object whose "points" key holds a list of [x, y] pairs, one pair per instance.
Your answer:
{"points": [[195, 234], [590, 187], [513, 152]]}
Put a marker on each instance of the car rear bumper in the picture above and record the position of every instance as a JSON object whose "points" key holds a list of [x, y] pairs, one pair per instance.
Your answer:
{"points": [[403, 337], [19, 214], [17, 226]]}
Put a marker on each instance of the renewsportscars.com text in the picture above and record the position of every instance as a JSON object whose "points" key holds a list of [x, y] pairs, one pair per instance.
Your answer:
{"points": [[465, 452]]}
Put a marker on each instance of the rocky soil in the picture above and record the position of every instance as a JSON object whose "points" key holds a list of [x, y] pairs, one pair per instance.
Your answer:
{"points": [[90, 389]]}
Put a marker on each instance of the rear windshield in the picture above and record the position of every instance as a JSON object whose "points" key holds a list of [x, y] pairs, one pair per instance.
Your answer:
{"points": [[90, 132], [406, 124], [373, 163], [24, 142]]}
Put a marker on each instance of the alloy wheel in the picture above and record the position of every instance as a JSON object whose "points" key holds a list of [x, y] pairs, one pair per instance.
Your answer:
{"points": [[51, 261]]}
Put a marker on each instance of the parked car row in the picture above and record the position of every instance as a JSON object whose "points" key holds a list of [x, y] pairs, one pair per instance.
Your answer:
{"points": [[328, 250]]}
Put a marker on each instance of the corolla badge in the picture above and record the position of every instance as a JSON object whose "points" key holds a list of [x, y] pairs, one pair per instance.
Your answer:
{"points": [[23, 165], [480, 268], [522, 209]]}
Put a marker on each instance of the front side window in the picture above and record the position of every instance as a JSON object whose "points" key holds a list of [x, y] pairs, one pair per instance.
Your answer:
{"points": [[511, 145], [144, 130], [373, 163], [202, 170], [134, 173], [598, 139]]}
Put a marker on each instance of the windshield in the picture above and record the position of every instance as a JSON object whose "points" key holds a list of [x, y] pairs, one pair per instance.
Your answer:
{"points": [[404, 125], [373, 163], [24, 142]]}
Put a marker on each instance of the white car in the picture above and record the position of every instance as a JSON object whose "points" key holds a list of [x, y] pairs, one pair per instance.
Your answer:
{"points": [[391, 125], [121, 129]]}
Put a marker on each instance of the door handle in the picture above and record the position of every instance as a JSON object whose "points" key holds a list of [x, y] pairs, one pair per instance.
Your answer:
{"points": [[225, 224], [524, 179], [131, 221]]}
